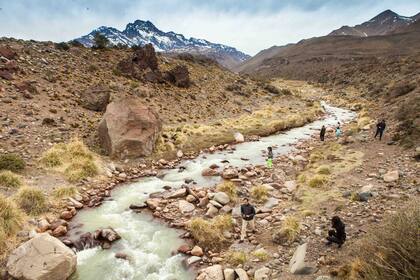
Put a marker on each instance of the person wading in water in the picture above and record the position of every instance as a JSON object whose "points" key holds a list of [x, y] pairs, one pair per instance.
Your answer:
{"points": [[270, 157], [248, 214]]}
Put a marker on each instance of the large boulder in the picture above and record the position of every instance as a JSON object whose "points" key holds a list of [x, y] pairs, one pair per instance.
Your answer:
{"points": [[7, 52], [95, 98], [141, 65], [129, 129], [42, 258], [179, 76], [297, 264]]}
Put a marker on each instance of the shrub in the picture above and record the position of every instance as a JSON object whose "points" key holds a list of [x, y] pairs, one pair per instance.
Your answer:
{"points": [[76, 44], [318, 181], [74, 158], [236, 257], [100, 41], [261, 254], [79, 170], [63, 46], [11, 217], [323, 169], [391, 250], [229, 188], [9, 180], [11, 162], [259, 193], [288, 231], [209, 233], [315, 156], [66, 191], [31, 200]]}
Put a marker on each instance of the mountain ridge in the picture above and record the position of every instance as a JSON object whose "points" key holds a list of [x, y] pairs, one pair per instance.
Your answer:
{"points": [[142, 32]]}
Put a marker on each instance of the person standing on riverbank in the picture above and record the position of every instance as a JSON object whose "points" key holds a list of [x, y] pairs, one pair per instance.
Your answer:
{"points": [[380, 128], [322, 133], [338, 132], [248, 215], [270, 157]]}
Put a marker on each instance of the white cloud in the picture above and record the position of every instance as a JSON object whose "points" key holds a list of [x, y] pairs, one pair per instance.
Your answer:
{"points": [[243, 26]]}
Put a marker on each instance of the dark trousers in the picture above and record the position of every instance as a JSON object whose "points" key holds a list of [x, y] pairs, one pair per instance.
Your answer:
{"points": [[322, 137], [332, 237], [379, 132]]}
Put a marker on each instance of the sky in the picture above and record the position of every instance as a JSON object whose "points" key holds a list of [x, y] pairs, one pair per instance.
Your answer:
{"points": [[248, 25]]}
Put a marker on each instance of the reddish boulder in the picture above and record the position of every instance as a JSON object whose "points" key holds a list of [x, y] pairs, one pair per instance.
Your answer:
{"points": [[95, 98], [129, 129], [7, 52]]}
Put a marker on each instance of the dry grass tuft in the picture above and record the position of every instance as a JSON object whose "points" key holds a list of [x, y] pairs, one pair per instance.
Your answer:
{"points": [[73, 159], [318, 181], [324, 170], [229, 188], [261, 254], [209, 233], [11, 162], [259, 193], [9, 180], [11, 217], [391, 250], [236, 258], [31, 200], [291, 228], [65, 191]]}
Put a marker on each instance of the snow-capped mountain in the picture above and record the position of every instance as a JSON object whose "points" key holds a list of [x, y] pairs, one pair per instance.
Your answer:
{"points": [[385, 23], [144, 32]]}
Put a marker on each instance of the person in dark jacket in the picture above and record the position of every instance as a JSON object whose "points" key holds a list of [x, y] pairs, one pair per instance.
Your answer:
{"points": [[322, 133], [380, 128], [270, 157], [248, 214], [338, 233]]}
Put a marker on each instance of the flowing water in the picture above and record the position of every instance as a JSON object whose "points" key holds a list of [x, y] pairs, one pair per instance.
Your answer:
{"points": [[148, 243]]}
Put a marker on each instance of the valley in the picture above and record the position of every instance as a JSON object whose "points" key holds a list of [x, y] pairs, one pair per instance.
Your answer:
{"points": [[132, 162]]}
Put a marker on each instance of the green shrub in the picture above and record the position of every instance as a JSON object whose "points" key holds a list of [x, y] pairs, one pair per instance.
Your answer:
{"points": [[11, 162], [100, 41], [259, 193], [9, 180], [11, 217], [31, 200], [318, 181]]}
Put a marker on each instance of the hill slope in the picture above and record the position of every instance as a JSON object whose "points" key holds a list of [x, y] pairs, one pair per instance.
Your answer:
{"points": [[144, 32]]}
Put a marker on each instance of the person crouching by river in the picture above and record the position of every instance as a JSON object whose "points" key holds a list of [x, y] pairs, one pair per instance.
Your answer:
{"points": [[248, 217], [338, 232], [270, 157]]}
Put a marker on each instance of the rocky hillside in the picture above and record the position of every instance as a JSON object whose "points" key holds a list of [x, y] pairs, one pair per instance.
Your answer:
{"points": [[140, 33], [385, 23]]}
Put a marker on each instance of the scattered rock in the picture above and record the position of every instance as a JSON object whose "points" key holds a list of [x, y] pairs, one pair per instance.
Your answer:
{"points": [[179, 76], [214, 272], [191, 260], [262, 273], [239, 138], [229, 274], [185, 207], [221, 197], [229, 173], [297, 264], [95, 98], [209, 172], [197, 251], [391, 176], [241, 274]]}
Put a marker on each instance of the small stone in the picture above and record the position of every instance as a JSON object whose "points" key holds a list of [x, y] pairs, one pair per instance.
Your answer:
{"points": [[197, 251]]}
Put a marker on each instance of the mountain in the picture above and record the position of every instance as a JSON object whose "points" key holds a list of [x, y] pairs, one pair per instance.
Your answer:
{"points": [[384, 23], [144, 32]]}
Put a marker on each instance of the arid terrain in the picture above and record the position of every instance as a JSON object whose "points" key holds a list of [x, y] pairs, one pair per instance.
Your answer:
{"points": [[73, 126]]}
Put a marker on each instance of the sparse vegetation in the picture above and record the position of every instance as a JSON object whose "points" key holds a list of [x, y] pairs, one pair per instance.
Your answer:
{"points": [[65, 191], [63, 46], [73, 159], [391, 250], [260, 254], [31, 200], [318, 181], [229, 188], [11, 217], [209, 233], [323, 169], [12, 162], [259, 193], [100, 41], [9, 180], [236, 257]]}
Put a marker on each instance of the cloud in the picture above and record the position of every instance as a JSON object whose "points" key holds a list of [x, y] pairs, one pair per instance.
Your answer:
{"points": [[247, 25]]}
